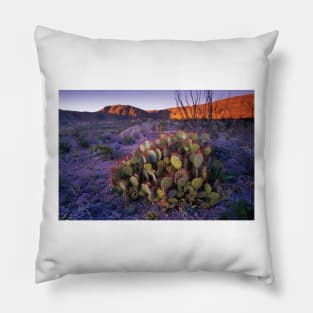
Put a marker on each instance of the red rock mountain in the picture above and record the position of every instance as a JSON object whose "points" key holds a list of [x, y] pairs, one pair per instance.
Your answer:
{"points": [[234, 107], [124, 110]]}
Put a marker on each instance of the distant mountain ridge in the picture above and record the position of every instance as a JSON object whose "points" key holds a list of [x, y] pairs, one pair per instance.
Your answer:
{"points": [[124, 110], [234, 108]]}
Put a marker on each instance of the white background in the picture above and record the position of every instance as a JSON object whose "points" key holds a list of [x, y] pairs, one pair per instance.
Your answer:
{"points": [[288, 151]]}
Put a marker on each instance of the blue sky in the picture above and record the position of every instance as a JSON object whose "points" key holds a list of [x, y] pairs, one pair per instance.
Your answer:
{"points": [[94, 100]]}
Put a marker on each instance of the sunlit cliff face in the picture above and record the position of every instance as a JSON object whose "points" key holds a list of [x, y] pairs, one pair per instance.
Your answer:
{"points": [[234, 108]]}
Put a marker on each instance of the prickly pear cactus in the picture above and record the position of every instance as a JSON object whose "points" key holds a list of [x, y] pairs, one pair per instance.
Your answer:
{"points": [[175, 171], [134, 181], [181, 135], [166, 183], [152, 156], [176, 161], [204, 138], [196, 183]]}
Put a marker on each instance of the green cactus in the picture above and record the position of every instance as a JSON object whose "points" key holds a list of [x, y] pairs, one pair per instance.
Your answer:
{"points": [[146, 190], [186, 163], [159, 154], [152, 215], [163, 141], [174, 171], [194, 147], [204, 138], [214, 195], [169, 141], [206, 204], [217, 170], [160, 171], [186, 148], [135, 160], [202, 195], [151, 173], [160, 193], [196, 183], [133, 192], [207, 187], [147, 145], [143, 159], [197, 159], [176, 161], [161, 164], [165, 152], [167, 160], [172, 200], [181, 135], [182, 184], [169, 169], [147, 166], [128, 170], [151, 156], [123, 184], [204, 173], [180, 194], [207, 150], [193, 136], [172, 193], [181, 173], [134, 181], [166, 183]]}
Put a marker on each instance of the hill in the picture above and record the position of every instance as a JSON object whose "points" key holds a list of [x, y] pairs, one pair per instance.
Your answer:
{"points": [[233, 108], [124, 110]]}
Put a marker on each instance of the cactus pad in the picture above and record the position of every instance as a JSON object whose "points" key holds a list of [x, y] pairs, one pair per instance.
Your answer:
{"points": [[176, 161], [197, 183], [166, 183]]}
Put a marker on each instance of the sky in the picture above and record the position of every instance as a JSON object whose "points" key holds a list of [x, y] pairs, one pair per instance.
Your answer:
{"points": [[94, 100]]}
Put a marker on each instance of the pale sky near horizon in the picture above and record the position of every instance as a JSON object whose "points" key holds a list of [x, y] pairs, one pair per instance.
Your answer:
{"points": [[94, 100]]}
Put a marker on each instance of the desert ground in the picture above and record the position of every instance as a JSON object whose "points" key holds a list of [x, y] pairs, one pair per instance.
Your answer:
{"points": [[90, 146]]}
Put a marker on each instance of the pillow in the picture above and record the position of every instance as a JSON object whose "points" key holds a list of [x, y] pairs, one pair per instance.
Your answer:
{"points": [[155, 155]]}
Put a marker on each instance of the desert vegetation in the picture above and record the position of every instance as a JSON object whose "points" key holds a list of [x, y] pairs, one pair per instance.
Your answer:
{"points": [[175, 171]]}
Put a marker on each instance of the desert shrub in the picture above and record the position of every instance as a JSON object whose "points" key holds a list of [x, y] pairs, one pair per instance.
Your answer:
{"points": [[217, 170], [76, 133], [174, 171], [81, 139], [162, 126], [83, 142], [128, 140], [104, 151], [152, 215], [243, 210], [223, 216], [75, 154], [107, 138], [116, 154], [64, 147]]}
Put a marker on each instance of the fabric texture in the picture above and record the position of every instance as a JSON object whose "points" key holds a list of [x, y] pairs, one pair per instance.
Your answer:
{"points": [[71, 62]]}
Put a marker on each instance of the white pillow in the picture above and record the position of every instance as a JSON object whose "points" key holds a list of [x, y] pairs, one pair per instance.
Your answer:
{"points": [[77, 71]]}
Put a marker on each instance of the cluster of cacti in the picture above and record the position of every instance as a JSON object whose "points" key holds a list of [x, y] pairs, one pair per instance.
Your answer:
{"points": [[175, 171]]}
